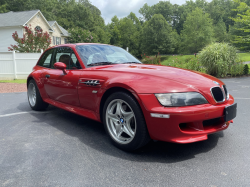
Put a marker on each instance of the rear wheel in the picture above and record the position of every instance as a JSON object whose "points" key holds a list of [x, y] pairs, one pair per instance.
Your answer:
{"points": [[124, 122], [35, 100]]}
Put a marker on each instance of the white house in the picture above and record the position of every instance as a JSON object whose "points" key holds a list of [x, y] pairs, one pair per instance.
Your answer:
{"points": [[15, 21]]}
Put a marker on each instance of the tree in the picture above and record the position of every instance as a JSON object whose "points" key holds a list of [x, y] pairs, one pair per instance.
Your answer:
{"points": [[3, 8], [79, 35], [242, 22], [220, 32], [114, 31], [157, 36], [32, 42], [198, 31], [103, 36], [125, 32]]}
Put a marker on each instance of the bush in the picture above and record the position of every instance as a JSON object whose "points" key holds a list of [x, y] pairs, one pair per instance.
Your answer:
{"points": [[151, 59], [32, 42], [191, 63], [220, 59], [246, 69]]}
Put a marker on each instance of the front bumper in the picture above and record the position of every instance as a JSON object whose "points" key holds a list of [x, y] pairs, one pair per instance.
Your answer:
{"points": [[185, 124]]}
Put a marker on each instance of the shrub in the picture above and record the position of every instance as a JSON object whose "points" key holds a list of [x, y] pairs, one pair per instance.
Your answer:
{"points": [[32, 42], [220, 59], [246, 69], [151, 59]]}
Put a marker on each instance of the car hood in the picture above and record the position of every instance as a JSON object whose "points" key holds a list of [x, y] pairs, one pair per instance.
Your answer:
{"points": [[148, 79], [190, 78]]}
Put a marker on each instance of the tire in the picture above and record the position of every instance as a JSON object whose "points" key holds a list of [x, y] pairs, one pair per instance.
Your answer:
{"points": [[124, 122], [34, 98]]}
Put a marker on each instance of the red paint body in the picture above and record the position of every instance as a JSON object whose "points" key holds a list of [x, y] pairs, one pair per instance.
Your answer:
{"points": [[67, 92]]}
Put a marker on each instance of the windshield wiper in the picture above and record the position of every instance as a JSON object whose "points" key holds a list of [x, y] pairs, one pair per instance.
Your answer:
{"points": [[100, 63], [131, 63]]}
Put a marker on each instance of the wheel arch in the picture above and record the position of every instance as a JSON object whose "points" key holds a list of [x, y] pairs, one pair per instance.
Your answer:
{"points": [[28, 79], [112, 90]]}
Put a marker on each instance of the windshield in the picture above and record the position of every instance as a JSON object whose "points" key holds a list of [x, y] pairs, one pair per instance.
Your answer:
{"points": [[96, 54]]}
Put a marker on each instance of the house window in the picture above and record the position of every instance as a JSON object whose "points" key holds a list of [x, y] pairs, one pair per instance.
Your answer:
{"points": [[65, 40], [54, 40], [38, 28], [58, 40]]}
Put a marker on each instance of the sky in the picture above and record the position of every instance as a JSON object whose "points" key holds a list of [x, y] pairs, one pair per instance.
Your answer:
{"points": [[122, 8]]}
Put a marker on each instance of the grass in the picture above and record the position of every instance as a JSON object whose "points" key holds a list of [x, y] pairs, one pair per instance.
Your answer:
{"points": [[244, 56], [172, 58], [19, 81]]}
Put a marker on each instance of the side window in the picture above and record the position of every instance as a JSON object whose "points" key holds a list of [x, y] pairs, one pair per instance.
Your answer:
{"points": [[46, 58], [67, 56]]}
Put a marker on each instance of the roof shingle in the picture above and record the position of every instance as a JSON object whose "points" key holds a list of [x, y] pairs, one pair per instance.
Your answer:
{"points": [[16, 18]]}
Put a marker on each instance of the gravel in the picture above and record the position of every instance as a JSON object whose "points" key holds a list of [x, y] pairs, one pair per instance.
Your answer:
{"points": [[12, 87]]}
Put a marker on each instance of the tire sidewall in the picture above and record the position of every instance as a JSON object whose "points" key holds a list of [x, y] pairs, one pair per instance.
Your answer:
{"points": [[34, 83], [140, 121], [40, 104]]}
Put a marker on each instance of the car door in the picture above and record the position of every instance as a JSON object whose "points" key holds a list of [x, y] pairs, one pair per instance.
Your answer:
{"points": [[58, 85]]}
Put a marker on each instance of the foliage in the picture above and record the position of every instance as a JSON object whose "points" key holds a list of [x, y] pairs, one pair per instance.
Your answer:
{"points": [[3, 8], [103, 36], [165, 8], [221, 59], [79, 35], [197, 31], [31, 42], [125, 32], [181, 58], [157, 36], [185, 62], [186, 28], [220, 32], [246, 69], [151, 59], [242, 21]]}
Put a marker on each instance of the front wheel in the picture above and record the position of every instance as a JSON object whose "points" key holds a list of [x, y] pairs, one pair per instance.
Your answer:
{"points": [[124, 122], [35, 100]]}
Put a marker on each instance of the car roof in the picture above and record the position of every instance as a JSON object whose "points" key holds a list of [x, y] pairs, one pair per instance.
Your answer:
{"points": [[75, 44]]}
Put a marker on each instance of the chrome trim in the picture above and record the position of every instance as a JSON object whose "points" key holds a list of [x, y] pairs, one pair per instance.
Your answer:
{"points": [[226, 96], [90, 82], [222, 93]]}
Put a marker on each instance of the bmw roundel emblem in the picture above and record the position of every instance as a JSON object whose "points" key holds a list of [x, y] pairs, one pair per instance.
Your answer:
{"points": [[121, 120], [216, 83]]}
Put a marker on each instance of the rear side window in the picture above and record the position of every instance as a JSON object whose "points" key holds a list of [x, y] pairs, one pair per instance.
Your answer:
{"points": [[46, 58]]}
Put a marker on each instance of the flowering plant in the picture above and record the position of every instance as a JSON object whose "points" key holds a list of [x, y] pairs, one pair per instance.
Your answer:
{"points": [[151, 59], [32, 42]]}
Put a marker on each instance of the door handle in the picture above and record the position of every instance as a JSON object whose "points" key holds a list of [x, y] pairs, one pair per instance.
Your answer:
{"points": [[47, 76]]}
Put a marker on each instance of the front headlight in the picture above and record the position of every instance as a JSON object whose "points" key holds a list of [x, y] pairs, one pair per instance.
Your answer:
{"points": [[181, 99]]}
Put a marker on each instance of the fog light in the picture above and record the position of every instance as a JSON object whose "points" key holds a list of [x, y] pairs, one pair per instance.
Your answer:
{"points": [[160, 115]]}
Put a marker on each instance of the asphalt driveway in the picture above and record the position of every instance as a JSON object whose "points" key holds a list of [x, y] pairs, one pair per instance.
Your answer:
{"points": [[58, 148]]}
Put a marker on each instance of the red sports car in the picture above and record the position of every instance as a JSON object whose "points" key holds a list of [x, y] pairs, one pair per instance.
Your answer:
{"points": [[136, 102]]}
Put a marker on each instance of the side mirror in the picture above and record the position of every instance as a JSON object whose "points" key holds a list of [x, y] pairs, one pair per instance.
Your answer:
{"points": [[61, 66]]}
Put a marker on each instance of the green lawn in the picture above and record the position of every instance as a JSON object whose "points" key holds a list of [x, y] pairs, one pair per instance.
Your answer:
{"points": [[19, 81], [175, 57], [244, 56]]}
